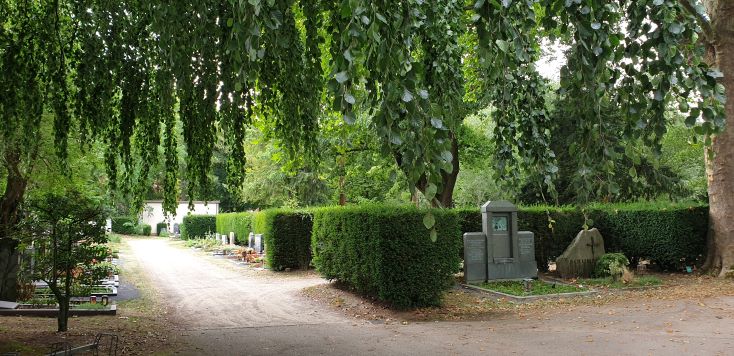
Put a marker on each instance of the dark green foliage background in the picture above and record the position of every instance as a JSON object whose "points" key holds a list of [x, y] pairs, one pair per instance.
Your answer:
{"points": [[197, 226], [160, 226], [239, 223], [387, 252], [665, 233], [287, 237], [118, 224]]}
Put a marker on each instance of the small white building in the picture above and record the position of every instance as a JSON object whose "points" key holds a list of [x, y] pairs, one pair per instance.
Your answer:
{"points": [[153, 212]]}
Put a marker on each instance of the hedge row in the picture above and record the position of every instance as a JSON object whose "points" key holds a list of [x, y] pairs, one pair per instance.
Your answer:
{"points": [[387, 252], [198, 226], [287, 237], [666, 234], [159, 227], [124, 225], [239, 223]]}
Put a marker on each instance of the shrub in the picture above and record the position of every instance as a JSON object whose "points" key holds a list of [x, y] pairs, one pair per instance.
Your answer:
{"points": [[160, 226], [611, 265], [145, 229], [197, 226], [670, 235], [287, 237], [239, 223], [124, 224], [387, 252]]}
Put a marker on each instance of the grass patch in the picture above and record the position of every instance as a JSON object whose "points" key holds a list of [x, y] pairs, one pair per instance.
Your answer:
{"points": [[538, 288], [608, 282], [95, 306], [114, 238]]}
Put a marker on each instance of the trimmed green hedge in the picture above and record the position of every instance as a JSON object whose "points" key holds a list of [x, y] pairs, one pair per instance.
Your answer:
{"points": [[287, 237], [387, 252], [124, 225], [160, 226], [664, 233], [239, 223], [197, 226], [144, 229]]}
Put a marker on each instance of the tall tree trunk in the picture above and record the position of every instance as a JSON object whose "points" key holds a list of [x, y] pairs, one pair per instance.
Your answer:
{"points": [[9, 217], [720, 257], [444, 198]]}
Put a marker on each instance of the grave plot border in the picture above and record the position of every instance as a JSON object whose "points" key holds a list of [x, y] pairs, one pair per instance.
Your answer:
{"points": [[530, 298]]}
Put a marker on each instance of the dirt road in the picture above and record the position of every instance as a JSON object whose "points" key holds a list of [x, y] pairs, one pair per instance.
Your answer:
{"points": [[222, 311]]}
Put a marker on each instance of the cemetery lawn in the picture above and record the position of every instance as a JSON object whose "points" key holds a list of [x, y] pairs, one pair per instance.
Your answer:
{"points": [[539, 287], [608, 282]]}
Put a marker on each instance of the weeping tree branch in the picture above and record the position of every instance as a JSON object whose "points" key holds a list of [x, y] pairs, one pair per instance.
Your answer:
{"points": [[705, 23]]}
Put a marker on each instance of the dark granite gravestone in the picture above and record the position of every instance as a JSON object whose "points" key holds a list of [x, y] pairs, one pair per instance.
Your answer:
{"points": [[510, 254], [475, 257]]}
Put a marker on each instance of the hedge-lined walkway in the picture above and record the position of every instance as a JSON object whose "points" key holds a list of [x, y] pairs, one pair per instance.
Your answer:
{"points": [[223, 311]]}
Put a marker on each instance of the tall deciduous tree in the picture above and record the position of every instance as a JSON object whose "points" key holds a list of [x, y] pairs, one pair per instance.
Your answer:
{"points": [[123, 71], [718, 33]]}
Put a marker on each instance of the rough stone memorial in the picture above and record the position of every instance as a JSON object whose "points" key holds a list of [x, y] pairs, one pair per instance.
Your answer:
{"points": [[500, 251], [579, 258]]}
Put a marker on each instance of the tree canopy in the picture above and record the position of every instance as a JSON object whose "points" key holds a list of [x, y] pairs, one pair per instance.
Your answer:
{"points": [[123, 71]]}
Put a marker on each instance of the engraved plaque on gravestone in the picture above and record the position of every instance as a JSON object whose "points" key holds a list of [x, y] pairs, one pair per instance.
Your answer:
{"points": [[475, 257]]}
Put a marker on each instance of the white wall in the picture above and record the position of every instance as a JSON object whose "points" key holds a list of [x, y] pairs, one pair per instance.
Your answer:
{"points": [[153, 212]]}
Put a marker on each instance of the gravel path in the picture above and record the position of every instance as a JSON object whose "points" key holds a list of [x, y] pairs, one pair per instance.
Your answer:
{"points": [[223, 311]]}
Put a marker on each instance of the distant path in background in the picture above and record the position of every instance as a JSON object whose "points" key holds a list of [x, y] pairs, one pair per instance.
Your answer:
{"points": [[223, 311]]}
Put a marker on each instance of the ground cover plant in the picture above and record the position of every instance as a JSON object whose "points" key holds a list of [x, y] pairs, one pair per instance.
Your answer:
{"points": [[538, 287], [609, 282]]}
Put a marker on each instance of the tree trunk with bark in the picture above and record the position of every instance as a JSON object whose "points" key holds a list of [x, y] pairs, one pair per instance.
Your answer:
{"points": [[444, 198], [720, 257], [9, 218]]}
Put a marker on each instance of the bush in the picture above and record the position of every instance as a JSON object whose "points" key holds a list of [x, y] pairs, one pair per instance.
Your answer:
{"points": [[239, 223], [160, 226], [671, 236], [611, 265], [145, 229], [124, 225], [287, 237], [665, 233], [198, 226], [387, 252]]}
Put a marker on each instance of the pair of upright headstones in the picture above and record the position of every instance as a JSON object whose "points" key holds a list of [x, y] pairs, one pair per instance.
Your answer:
{"points": [[500, 251], [255, 241]]}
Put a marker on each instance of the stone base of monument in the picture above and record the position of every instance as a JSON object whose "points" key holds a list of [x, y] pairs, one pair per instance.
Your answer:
{"points": [[530, 298]]}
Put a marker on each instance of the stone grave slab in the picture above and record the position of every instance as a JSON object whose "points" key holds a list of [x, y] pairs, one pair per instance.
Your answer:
{"points": [[231, 238], [8, 305], [258, 243], [475, 257]]}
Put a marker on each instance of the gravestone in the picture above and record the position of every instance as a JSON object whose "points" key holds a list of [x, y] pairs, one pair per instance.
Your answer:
{"points": [[475, 257], [507, 253], [251, 240], [579, 258], [231, 238], [258, 243]]}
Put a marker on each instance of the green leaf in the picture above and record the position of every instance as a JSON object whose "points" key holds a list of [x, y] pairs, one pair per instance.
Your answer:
{"points": [[503, 45], [429, 220], [434, 235], [431, 191], [341, 77], [407, 96]]}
